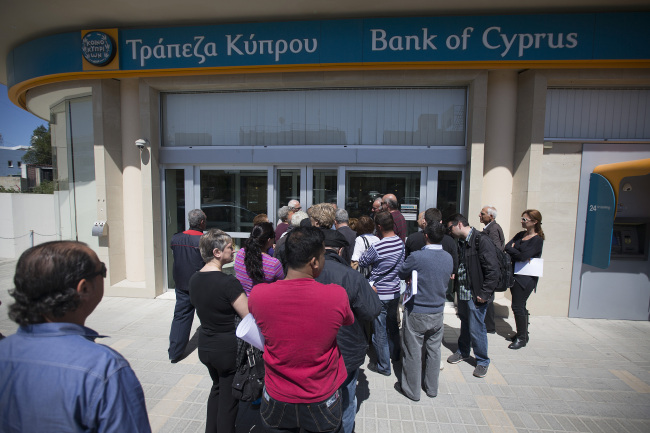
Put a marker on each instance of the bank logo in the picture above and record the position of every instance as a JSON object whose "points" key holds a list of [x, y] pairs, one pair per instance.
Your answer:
{"points": [[98, 48]]}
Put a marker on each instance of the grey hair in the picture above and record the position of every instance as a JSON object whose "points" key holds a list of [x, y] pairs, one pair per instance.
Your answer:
{"points": [[213, 238], [283, 213], [293, 203], [298, 217], [392, 204], [342, 216], [491, 210], [195, 217]]}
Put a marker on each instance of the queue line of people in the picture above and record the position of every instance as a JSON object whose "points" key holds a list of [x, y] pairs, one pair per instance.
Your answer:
{"points": [[313, 302]]}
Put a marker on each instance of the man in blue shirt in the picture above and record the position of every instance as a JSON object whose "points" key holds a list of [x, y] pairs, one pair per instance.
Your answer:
{"points": [[53, 377]]}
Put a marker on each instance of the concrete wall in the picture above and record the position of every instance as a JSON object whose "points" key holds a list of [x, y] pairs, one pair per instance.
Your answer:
{"points": [[20, 214]]}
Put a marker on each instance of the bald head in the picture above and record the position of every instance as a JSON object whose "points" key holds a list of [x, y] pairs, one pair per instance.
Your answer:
{"points": [[390, 202]]}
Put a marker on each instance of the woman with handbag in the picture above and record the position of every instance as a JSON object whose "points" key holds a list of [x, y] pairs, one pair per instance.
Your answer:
{"points": [[218, 297], [365, 228], [526, 245]]}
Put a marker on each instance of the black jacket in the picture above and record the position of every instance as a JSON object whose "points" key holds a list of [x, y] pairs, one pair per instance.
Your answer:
{"points": [[416, 241], [187, 257], [482, 265], [364, 303]]}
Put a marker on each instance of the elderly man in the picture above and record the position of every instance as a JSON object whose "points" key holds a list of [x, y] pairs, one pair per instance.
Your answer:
{"points": [[53, 377], [341, 221], [187, 260], [390, 203], [488, 216], [285, 213], [376, 207], [294, 205]]}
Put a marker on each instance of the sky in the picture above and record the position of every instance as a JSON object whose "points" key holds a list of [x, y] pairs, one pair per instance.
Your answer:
{"points": [[16, 124]]}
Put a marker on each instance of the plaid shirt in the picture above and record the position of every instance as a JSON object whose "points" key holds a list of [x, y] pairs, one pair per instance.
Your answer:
{"points": [[464, 291]]}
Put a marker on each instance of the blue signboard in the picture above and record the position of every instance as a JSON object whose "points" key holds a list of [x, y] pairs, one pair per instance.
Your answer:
{"points": [[509, 38], [601, 208]]}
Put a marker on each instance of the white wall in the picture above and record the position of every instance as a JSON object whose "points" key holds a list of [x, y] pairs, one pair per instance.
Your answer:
{"points": [[20, 213]]}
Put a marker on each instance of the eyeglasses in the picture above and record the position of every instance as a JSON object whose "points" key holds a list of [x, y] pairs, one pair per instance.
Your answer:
{"points": [[101, 271], [483, 214], [525, 220]]}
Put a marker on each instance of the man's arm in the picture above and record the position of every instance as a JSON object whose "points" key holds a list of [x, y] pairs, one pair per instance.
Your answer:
{"points": [[407, 266], [369, 257], [365, 303], [487, 255]]}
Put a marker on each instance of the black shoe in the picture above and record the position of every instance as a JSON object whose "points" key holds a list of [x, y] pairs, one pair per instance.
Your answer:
{"points": [[399, 389], [373, 367], [518, 344]]}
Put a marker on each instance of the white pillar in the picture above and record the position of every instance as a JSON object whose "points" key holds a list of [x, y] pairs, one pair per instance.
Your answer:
{"points": [[132, 181], [499, 146]]}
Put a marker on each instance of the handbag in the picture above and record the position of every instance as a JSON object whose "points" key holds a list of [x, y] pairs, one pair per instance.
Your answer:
{"points": [[248, 383]]}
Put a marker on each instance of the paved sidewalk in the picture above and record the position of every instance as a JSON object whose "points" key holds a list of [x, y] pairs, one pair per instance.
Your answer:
{"points": [[576, 375]]}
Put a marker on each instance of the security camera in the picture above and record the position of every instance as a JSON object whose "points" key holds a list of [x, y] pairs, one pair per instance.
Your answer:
{"points": [[141, 143]]}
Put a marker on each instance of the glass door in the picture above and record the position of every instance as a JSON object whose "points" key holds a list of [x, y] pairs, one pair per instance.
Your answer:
{"points": [[232, 198], [362, 187]]}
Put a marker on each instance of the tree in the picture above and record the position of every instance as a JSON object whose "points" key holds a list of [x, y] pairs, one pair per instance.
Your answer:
{"points": [[40, 152]]}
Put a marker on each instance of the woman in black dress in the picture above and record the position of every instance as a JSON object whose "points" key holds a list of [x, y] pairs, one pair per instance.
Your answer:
{"points": [[525, 245], [217, 298]]}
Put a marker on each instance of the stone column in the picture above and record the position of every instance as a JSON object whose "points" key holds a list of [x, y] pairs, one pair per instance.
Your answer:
{"points": [[132, 180], [499, 147]]}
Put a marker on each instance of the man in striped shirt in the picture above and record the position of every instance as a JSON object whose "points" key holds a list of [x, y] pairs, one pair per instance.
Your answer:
{"points": [[385, 256]]}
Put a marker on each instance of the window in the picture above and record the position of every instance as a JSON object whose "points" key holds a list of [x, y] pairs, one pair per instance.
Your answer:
{"points": [[20, 164], [10, 164], [383, 116]]}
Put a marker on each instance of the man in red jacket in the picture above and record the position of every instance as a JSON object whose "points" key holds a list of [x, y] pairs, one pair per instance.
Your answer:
{"points": [[300, 319]]}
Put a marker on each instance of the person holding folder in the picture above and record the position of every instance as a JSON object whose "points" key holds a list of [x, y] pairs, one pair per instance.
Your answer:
{"points": [[526, 245]]}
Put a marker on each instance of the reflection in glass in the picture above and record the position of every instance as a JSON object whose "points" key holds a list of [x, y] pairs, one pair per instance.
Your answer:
{"points": [[325, 186], [363, 187], [174, 213], [232, 198], [449, 193], [288, 186]]}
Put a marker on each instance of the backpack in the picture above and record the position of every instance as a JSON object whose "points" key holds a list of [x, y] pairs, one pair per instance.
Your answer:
{"points": [[506, 270]]}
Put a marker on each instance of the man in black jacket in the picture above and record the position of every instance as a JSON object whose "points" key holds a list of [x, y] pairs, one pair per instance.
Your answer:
{"points": [[365, 305], [478, 275]]}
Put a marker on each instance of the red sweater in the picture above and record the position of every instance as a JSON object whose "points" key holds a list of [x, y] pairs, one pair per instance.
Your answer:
{"points": [[299, 320]]}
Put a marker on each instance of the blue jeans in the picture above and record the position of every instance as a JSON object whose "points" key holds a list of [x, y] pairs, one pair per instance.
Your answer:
{"points": [[324, 416], [179, 335], [473, 334], [349, 395], [385, 339]]}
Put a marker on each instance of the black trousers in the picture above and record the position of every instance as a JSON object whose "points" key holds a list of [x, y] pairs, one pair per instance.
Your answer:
{"points": [[523, 287], [222, 406]]}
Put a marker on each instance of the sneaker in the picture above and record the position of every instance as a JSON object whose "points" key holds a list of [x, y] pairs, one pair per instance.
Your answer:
{"points": [[455, 358], [480, 370]]}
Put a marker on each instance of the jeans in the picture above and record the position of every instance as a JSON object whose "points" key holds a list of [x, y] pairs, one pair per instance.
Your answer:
{"points": [[324, 416], [385, 339], [179, 335], [473, 334], [349, 396], [420, 330]]}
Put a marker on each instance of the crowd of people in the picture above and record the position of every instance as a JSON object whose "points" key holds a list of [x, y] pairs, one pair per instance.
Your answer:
{"points": [[325, 291]]}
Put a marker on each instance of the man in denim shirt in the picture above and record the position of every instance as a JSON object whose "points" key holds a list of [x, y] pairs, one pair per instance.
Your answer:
{"points": [[53, 377]]}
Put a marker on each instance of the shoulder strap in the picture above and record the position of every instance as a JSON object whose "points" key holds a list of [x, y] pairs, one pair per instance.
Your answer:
{"points": [[365, 241], [381, 276]]}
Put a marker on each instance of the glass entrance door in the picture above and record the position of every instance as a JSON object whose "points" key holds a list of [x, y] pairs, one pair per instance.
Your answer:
{"points": [[232, 198], [363, 187]]}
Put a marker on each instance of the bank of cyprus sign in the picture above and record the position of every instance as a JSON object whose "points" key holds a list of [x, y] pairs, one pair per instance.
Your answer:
{"points": [[473, 40]]}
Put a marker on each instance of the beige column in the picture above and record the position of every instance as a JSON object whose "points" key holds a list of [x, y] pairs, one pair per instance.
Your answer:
{"points": [[499, 146], [132, 192]]}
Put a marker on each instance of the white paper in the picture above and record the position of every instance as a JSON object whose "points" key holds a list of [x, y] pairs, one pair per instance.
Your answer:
{"points": [[411, 288], [532, 267], [250, 333]]}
